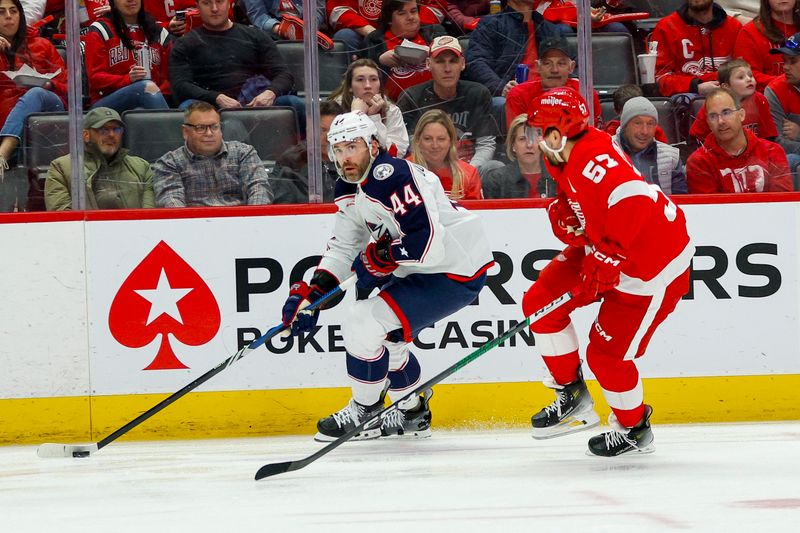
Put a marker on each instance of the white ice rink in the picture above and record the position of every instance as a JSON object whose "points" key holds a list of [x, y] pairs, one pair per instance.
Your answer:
{"points": [[727, 478]]}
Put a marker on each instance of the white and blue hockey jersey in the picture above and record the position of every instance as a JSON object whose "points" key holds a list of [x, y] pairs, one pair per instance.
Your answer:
{"points": [[430, 233]]}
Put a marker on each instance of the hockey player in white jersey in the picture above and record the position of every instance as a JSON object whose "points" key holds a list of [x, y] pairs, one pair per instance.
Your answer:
{"points": [[398, 231]]}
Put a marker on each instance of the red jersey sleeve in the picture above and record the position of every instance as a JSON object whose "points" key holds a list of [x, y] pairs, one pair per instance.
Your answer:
{"points": [[344, 14], [518, 99]]}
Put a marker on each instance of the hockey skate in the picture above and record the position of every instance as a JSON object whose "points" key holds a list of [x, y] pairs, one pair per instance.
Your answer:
{"points": [[351, 415], [410, 423], [621, 440], [572, 410]]}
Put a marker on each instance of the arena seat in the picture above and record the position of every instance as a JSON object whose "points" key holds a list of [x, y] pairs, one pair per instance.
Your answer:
{"points": [[270, 130], [620, 70], [45, 137], [149, 134], [332, 65], [666, 119], [658, 9]]}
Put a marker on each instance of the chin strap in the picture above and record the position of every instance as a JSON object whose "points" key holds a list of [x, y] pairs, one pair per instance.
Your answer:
{"points": [[555, 153]]}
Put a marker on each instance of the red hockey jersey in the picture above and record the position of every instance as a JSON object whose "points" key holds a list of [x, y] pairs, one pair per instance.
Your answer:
{"points": [[359, 13], [617, 208], [689, 51], [108, 62], [762, 167]]}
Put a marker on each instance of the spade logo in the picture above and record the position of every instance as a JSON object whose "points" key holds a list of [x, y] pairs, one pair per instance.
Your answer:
{"points": [[163, 295]]}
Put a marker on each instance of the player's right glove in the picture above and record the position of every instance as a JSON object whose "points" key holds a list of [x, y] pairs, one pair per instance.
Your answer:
{"points": [[301, 295], [565, 223]]}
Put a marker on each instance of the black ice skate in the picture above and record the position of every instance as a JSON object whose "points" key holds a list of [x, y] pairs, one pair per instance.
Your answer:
{"points": [[413, 423], [332, 427], [572, 410], [621, 440]]}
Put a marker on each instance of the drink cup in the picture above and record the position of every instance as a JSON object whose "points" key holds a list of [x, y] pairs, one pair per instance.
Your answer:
{"points": [[647, 68]]}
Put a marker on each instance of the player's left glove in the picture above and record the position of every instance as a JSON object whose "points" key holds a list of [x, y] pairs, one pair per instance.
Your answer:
{"points": [[600, 272], [301, 295], [374, 264]]}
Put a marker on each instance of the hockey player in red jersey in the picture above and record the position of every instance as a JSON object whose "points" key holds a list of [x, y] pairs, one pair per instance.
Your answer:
{"points": [[628, 248]]}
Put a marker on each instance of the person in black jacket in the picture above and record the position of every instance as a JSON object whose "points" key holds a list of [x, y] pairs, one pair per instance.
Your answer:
{"points": [[230, 65], [525, 176]]}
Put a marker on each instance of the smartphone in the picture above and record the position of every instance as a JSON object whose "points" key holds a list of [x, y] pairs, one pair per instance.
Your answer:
{"points": [[180, 15]]}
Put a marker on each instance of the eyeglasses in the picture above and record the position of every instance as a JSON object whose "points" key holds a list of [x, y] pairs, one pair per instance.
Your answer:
{"points": [[116, 130], [202, 128], [725, 114]]}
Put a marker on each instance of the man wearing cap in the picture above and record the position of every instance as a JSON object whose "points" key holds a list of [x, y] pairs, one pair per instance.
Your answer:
{"points": [[468, 104], [114, 178], [733, 159], [553, 68], [658, 162], [783, 95]]}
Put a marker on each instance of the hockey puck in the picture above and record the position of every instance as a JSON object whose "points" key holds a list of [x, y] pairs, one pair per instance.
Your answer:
{"points": [[82, 453]]}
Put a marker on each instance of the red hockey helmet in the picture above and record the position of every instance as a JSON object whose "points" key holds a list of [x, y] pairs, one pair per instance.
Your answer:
{"points": [[561, 108]]}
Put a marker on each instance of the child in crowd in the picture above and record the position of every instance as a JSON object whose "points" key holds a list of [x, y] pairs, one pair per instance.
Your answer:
{"points": [[737, 75]]}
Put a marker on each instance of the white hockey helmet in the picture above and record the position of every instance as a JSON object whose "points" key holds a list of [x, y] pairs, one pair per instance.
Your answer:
{"points": [[349, 127]]}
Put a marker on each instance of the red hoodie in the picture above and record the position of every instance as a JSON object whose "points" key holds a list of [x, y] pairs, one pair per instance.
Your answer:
{"points": [[762, 167], [108, 62], [689, 52]]}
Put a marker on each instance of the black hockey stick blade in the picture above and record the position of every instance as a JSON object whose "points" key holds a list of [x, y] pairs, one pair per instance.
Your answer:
{"points": [[85, 450], [273, 469]]}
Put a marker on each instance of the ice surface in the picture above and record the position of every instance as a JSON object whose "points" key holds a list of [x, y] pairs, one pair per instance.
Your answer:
{"points": [[727, 477]]}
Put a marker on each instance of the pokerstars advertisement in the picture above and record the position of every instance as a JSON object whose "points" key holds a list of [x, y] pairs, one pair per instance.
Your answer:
{"points": [[170, 299]]}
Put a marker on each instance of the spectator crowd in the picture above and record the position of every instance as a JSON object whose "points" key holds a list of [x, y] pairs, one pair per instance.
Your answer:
{"points": [[447, 83]]}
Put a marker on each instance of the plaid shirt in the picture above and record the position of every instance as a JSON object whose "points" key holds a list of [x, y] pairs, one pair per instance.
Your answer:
{"points": [[234, 176]]}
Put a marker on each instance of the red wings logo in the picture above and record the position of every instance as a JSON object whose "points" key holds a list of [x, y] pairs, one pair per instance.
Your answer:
{"points": [[163, 295]]}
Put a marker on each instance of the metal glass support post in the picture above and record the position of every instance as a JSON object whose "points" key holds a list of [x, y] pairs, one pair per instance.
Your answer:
{"points": [[585, 54], [311, 71], [75, 105]]}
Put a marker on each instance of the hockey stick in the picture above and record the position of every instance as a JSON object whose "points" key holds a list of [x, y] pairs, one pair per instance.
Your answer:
{"points": [[84, 450], [288, 466]]}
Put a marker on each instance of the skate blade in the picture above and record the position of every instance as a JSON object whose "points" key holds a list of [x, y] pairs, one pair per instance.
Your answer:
{"points": [[421, 434], [571, 425], [370, 434], [645, 450]]}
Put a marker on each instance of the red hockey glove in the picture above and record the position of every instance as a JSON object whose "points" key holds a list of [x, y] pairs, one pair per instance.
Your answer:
{"points": [[374, 264], [565, 223], [599, 272], [291, 28], [300, 296]]}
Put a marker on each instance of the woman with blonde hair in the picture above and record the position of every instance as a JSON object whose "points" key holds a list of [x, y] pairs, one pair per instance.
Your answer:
{"points": [[525, 176], [434, 147]]}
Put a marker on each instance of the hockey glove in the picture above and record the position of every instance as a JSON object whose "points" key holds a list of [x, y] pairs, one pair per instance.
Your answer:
{"points": [[566, 226], [600, 272], [374, 264], [300, 296]]}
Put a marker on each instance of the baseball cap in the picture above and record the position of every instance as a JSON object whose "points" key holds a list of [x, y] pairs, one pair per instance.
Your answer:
{"points": [[791, 47], [555, 43], [446, 43], [99, 116]]}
